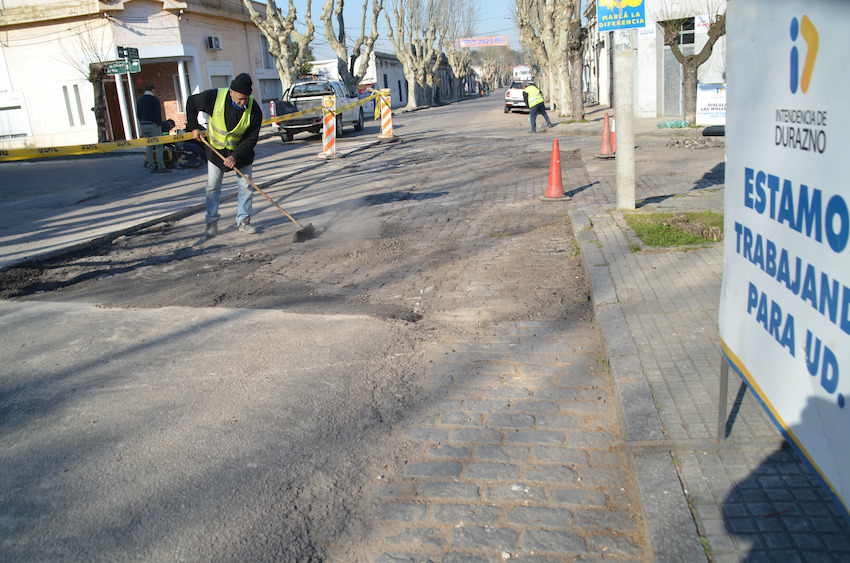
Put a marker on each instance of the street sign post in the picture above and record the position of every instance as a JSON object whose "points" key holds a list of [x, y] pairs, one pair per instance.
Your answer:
{"points": [[130, 64]]}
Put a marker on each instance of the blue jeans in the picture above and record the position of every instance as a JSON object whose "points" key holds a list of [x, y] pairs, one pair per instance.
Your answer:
{"points": [[532, 116], [244, 199], [153, 130]]}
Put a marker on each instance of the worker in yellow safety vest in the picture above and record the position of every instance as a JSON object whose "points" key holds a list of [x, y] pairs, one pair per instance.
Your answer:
{"points": [[534, 101], [234, 127]]}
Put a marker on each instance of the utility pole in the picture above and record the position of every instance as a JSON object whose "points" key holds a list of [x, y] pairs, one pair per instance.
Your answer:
{"points": [[624, 108]]}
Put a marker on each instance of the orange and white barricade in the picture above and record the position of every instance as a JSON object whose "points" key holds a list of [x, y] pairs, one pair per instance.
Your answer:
{"points": [[328, 127], [385, 102]]}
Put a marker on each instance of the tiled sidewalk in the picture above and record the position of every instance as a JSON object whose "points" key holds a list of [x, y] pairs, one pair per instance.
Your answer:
{"points": [[751, 497]]}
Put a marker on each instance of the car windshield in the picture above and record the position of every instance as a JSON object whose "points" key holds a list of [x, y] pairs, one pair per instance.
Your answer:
{"points": [[311, 89], [520, 85]]}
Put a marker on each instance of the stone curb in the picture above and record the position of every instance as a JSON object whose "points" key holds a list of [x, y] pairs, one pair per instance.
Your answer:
{"points": [[670, 524]]}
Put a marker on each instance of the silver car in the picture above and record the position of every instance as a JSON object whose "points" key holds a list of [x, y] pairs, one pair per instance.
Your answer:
{"points": [[513, 97], [306, 95]]}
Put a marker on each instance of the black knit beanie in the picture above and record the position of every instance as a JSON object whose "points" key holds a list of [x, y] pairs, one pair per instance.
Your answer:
{"points": [[242, 84]]}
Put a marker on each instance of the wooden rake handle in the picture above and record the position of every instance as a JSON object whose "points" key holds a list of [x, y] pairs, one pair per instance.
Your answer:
{"points": [[282, 210]]}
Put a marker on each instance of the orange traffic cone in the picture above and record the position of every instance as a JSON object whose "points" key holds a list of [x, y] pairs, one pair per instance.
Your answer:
{"points": [[614, 134], [605, 150], [555, 188]]}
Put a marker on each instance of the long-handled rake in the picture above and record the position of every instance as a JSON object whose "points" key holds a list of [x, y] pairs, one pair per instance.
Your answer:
{"points": [[303, 233]]}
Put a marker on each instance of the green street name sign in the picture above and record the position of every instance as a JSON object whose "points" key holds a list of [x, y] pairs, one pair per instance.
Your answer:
{"points": [[120, 67]]}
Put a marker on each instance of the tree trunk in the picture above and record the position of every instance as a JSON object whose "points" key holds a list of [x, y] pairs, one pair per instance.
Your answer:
{"points": [[575, 45], [689, 82], [561, 86], [96, 75], [410, 77], [576, 95]]}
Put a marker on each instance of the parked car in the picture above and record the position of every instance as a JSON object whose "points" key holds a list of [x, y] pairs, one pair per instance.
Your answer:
{"points": [[513, 97], [307, 95]]}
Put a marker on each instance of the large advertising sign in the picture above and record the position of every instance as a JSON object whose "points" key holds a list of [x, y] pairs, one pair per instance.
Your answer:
{"points": [[785, 302], [620, 14]]}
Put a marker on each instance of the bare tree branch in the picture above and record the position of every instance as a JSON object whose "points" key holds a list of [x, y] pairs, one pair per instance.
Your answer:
{"points": [[287, 45], [351, 67], [414, 39]]}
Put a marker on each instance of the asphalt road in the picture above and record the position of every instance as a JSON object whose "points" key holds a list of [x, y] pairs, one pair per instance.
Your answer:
{"points": [[168, 397]]}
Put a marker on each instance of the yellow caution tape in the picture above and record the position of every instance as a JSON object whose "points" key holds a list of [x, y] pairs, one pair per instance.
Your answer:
{"points": [[95, 148], [73, 150], [318, 109]]}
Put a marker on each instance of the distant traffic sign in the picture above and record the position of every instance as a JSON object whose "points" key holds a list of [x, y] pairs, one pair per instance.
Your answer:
{"points": [[128, 53]]}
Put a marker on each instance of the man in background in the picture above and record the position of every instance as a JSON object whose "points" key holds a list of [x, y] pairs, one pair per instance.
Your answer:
{"points": [[149, 111], [534, 100]]}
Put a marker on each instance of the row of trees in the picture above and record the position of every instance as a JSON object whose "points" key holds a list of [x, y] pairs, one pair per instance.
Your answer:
{"points": [[421, 32]]}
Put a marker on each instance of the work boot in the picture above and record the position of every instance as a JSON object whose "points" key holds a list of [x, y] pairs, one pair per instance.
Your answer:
{"points": [[245, 227], [164, 171], [212, 229]]}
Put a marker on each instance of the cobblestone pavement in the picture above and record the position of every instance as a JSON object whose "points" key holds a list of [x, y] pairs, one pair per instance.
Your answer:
{"points": [[752, 498], [511, 458]]}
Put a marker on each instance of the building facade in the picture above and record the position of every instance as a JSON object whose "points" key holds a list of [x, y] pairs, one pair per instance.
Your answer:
{"points": [[48, 46], [657, 73]]}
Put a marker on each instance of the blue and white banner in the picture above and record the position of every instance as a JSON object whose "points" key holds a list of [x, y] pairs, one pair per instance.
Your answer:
{"points": [[785, 302], [499, 40]]}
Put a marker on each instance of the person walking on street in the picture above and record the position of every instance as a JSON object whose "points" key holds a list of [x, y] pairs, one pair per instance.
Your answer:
{"points": [[234, 127], [149, 112], [534, 100]]}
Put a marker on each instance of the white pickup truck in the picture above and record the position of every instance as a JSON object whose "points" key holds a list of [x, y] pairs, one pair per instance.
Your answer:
{"points": [[307, 95]]}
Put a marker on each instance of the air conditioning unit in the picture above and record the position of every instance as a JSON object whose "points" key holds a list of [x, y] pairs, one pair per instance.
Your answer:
{"points": [[213, 43]]}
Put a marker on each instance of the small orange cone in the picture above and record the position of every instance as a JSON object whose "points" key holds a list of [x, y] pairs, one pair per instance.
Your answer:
{"points": [[555, 188], [613, 134], [605, 150]]}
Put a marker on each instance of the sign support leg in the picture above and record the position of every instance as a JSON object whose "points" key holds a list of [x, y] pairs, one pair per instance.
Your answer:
{"points": [[724, 391]]}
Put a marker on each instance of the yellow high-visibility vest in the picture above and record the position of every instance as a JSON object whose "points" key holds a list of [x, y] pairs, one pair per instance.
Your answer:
{"points": [[218, 135], [534, 95]]}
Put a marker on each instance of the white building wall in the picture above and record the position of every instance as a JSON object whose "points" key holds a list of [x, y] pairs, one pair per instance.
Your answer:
{"points": [[646, 85], [648, 47], [55, 51]]}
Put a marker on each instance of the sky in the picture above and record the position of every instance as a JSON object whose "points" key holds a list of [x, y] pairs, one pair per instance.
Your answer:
{"points": [[495, 18]]}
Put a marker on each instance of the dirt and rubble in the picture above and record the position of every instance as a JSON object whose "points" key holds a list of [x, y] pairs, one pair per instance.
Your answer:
{"points": [[379, 255]]}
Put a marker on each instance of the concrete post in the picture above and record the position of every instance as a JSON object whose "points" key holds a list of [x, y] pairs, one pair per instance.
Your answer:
{"points": [[184, 84], [137, 128], [122, 104], [624, 110]]}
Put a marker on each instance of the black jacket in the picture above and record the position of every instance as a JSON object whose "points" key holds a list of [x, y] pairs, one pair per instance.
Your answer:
{"points": [[148, 109], [244, 151]]}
